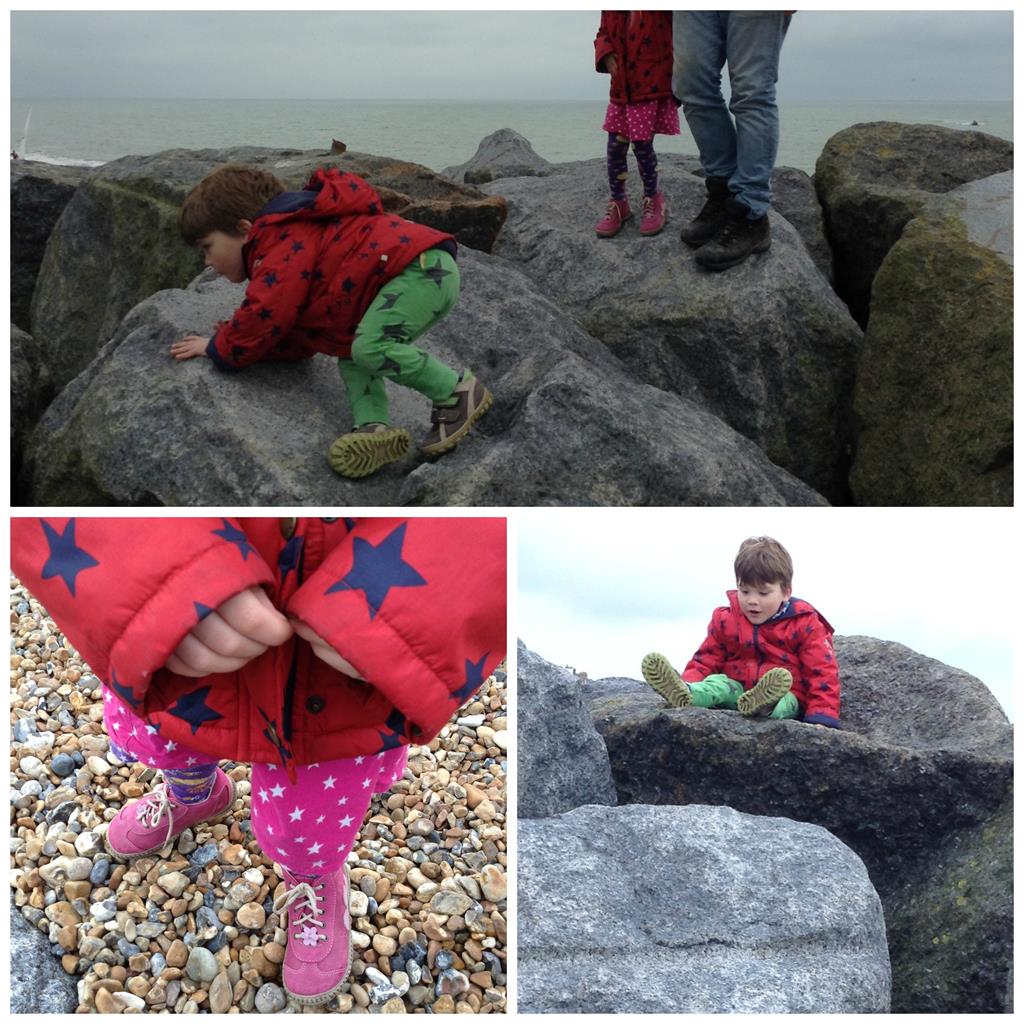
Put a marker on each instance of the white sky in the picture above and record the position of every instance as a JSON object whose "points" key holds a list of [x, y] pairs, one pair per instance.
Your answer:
{"points": [[829, 56], [599, 588]]}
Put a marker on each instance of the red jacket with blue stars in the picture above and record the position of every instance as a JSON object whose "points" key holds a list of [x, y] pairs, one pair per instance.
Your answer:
{"points": [[416, 605], [642, 42], [316, 259], [797, 638]]}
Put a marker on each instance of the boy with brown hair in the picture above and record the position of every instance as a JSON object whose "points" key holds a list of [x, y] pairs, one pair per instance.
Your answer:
{"points": [[766, 653], [330, 271]]}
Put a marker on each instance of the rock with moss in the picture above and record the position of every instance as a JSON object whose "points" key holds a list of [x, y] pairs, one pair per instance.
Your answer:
{"points": [[873, 178], [117, 241], [766, 346], [641, 909], [934, 397], [916, 783], [39, 193], [138, 428]]}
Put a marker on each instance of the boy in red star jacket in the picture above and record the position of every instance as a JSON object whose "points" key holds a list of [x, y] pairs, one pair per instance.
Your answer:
{"points": [[635, 48], [330, 271], [766, 653], [317, 649]]}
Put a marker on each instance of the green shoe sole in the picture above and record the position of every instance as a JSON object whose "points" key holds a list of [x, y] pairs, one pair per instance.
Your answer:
{"points": [[766, 693], [356, 455], [664, 680]]}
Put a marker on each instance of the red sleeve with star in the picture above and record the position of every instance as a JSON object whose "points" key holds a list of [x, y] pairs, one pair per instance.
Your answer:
{"points": [[603, 46], [710, 656], [284, 269], [417, 606], [126, 591], [818, 667]]}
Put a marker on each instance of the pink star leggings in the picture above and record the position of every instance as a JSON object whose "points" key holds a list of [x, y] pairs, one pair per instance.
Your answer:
{"points": [[307, 828]]}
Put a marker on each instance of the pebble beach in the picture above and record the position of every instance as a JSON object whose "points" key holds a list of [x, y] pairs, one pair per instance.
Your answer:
{"points": [[195, 931]]}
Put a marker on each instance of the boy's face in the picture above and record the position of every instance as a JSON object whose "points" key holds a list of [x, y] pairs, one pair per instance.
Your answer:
{"points": [[223, 252], [760, 601]]}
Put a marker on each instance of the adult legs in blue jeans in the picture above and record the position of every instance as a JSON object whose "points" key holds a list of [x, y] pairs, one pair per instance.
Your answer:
{"points": [[741, 153]]}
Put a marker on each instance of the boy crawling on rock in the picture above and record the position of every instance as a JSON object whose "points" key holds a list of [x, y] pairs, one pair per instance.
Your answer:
{"points": [[767, 653], [330, 271]]}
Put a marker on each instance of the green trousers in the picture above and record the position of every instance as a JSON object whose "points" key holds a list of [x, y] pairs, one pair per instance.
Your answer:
{"points": [[405, 307], [719, 691]]}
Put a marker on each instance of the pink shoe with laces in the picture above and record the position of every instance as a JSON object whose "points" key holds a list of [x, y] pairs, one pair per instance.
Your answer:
{"points": [[616, 214], [153, 822], [653, 218], [319, 951]]}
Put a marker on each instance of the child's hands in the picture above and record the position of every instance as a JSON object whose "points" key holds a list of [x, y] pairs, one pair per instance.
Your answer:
{"points": [[189, 347], [611, 64], [323, 650], [243, 627]]}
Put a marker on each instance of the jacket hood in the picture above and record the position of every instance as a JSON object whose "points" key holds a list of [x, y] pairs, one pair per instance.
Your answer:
{"points": [[327, 194], [792, 609]]}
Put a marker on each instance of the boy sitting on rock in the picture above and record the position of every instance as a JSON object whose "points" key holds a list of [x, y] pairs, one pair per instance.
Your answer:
{"points": [[330, 271], [767, 653]]}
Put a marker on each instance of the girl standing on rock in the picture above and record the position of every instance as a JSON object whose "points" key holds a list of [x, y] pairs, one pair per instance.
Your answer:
{"points": [[635, 48], [317, 649]]}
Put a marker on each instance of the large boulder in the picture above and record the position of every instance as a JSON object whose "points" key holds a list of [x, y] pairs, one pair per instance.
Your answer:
{"points": [[39, 983], [795, 198], [934, 396], [923, 763], [873, 178], [39, 193], [569, 425], [117, 241], [29, 392], [767, 346], [694, 910], [503, 154], [562, 761]]}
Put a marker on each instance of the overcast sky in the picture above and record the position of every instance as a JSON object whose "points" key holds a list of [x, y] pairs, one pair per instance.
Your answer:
{"points": [[599, 588], [474, 55]]}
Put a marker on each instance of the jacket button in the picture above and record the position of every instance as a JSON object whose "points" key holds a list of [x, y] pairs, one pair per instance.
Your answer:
{"points": [[288, 524], [314, 705]]}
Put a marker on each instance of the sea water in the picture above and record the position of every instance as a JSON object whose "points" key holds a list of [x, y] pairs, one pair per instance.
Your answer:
{"points": [[438, 133]]}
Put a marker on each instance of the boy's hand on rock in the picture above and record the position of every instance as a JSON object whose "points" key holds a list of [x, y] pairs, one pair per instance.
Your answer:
{"points": [[189, 347], [323, 650], [240, 629]]}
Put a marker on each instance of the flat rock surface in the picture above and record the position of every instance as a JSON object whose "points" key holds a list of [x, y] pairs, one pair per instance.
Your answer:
{"points": [[684, 915]]}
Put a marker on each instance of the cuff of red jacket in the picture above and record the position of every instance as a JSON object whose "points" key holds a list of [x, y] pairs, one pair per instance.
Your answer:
{"points": [[190, 592], [217, 359], [386, 660], [822, 719]]}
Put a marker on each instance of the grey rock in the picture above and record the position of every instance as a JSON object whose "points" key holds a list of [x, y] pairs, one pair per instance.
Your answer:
{"points": [[708, 928], [270, 998], [24, 727], [502, 154], [39, 193], [939, 431], [30, 393], [563, 762], [39, 983], [138, 428], [201, 965], [769, 327], [795, 198], [62, 766], [873, 178], [100, 871], [921, 768], [204, 855], [79, 869]]}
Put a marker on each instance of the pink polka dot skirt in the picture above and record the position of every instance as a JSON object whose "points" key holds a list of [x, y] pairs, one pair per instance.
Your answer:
{"points": [[640, 122]]}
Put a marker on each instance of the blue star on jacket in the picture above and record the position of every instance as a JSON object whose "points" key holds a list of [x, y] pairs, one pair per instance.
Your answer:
{"points": [[192, 707], [396, 723], [289, 557], [66, 559], [126, 693], [377, 569], [474, 679], [201, 610], [235, 536]]}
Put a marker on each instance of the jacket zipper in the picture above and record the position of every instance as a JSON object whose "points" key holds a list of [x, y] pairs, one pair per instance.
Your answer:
{"points": [[758, 652]]}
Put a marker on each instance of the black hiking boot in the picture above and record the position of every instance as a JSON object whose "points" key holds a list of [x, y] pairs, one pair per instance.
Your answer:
{"points": [[712, 216], [740, 237]]}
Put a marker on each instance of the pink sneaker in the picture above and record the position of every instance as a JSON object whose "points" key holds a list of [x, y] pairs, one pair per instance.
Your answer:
{"points": [[617, 213], [319, 951], [153, 822], [653, 218]]}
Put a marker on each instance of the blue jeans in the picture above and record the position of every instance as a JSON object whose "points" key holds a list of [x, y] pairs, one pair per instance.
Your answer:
{"points": [[750, 41]]}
